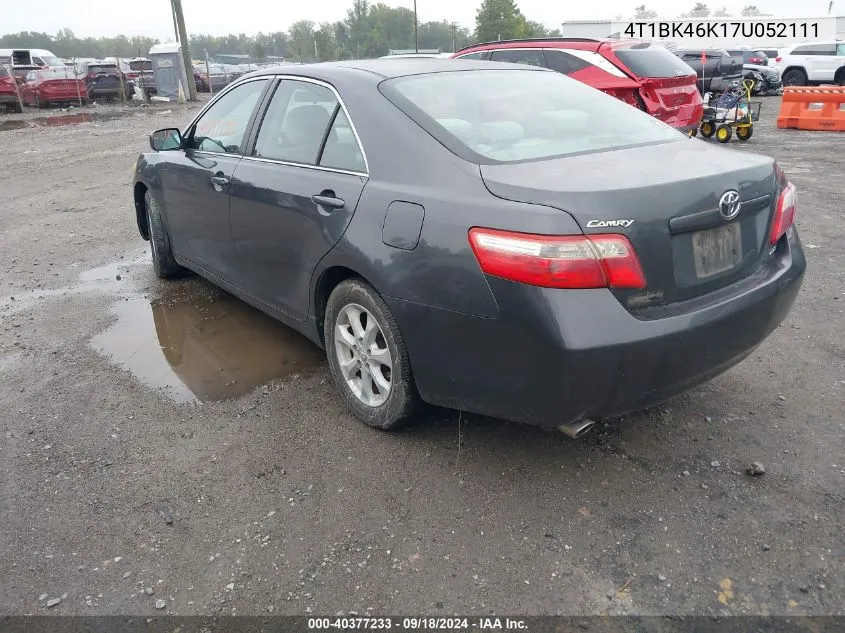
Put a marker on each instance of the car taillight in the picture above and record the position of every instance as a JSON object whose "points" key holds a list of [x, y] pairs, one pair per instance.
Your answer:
{"points": [[777, 59], [784, 213], [558, 261]]}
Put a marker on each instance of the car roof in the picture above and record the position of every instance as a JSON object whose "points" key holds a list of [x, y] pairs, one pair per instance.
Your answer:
{"points": [[390, 68]]}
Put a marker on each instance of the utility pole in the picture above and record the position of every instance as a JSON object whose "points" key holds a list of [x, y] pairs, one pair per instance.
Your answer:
{"points": [[454, 37], [179, 18], [416, 40]]}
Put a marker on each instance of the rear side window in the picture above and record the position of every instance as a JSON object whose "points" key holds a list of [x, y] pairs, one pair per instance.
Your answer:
{"points": [[477, 55], [653, 61], [341, 150], [514, 116], [517, 56], [563, 62]]}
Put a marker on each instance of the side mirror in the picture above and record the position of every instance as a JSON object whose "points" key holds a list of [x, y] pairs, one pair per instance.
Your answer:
{"points": [[166, 139]]}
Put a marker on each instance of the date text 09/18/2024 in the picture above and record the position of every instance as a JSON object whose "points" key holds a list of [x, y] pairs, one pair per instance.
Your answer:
{"points": [[418, 624]]}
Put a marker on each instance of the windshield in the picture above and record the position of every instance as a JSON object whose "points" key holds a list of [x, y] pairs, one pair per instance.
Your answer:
{"points": [[646, 60], [52, 61], [510, 116]]}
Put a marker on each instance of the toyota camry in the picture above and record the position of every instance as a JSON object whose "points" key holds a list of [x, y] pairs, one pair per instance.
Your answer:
{"points": [[489, 237]]}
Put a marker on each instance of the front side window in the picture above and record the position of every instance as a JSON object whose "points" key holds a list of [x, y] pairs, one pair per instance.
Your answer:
{"points": [[516, 56], [222, 127], [512, 116], [295, 125]]}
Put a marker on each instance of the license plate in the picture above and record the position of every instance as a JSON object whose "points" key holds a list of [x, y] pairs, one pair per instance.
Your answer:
{"points": [[717, 250]]}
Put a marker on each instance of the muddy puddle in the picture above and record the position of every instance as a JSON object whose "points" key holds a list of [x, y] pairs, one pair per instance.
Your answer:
{"points": [[58, 120], [202, 344]]}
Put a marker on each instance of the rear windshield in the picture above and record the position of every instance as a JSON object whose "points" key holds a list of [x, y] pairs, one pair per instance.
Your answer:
{"points": [[513, 116], [647, 60], [102, 68], [141, 65]]}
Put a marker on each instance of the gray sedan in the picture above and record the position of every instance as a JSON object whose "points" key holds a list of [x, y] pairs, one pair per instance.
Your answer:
{"points": [[489, 237]]}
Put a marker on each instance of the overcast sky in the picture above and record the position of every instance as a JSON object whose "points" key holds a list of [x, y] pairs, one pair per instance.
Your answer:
{"points": [[220, 17]]}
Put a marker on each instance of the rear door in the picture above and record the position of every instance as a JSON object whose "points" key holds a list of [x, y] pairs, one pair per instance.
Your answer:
{"points": [[294, 195], [825, 62], [196, 180]]}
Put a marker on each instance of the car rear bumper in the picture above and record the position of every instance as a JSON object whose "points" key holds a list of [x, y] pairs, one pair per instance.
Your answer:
{"points": [[557, 356]]}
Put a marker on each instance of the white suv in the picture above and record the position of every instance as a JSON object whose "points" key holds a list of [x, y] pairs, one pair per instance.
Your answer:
{"points": [[812, 63]]}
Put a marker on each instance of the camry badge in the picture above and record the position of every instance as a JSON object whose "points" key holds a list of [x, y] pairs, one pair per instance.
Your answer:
{"points": [[598, 224]]}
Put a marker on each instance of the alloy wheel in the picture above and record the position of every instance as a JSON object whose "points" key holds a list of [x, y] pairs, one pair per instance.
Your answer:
{"points": [[363, 355]]}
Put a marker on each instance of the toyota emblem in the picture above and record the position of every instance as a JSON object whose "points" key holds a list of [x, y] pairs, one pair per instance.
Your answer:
{"points": [[729, 204]]}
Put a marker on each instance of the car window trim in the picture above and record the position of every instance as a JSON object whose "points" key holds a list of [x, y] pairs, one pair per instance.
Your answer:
{"points": [[247, 155], [190, 128]]}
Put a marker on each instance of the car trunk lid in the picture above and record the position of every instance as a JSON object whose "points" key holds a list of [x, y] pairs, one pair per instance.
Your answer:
{"points": [[666, 199]]}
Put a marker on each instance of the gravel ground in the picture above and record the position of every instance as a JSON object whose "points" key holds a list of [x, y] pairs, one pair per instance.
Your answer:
{"points": [[121, 494]]}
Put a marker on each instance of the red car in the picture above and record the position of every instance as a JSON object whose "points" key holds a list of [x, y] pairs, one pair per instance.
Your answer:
{"points": [[645, 75], [8, 92], [43, 87]]}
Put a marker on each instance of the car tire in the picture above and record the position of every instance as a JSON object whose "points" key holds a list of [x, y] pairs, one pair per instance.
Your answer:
{"points": [[164, 263], [368, 360], [794, 77], [839, 77]]}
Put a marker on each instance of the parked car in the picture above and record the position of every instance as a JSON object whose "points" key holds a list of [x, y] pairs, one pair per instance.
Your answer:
{"points": [[641, 74], [765, 80], [719, 70], [491, 237], [138, 70], [103, 80], [813, 63], [8, 91], [215, 76], [44, 87]]}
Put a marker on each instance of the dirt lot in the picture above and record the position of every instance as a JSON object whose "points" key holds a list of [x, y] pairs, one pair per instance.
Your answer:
{"points": [[163, 442]]}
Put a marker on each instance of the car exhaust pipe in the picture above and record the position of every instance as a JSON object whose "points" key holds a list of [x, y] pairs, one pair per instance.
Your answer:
{"points": [[577, 429]]}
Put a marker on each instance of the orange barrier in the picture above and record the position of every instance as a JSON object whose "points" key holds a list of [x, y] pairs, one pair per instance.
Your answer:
{"points": [[819, 108]]}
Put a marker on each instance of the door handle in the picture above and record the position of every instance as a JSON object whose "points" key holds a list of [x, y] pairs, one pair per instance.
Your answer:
{"points": [[220, 181], [328, 200]]}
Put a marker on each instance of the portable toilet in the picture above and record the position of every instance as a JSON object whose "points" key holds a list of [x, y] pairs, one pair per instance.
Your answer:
{"points": [[169, 70]]}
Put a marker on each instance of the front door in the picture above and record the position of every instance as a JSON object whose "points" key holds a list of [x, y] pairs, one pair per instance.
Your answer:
{"points": [[197, 181], [294, 196]]}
